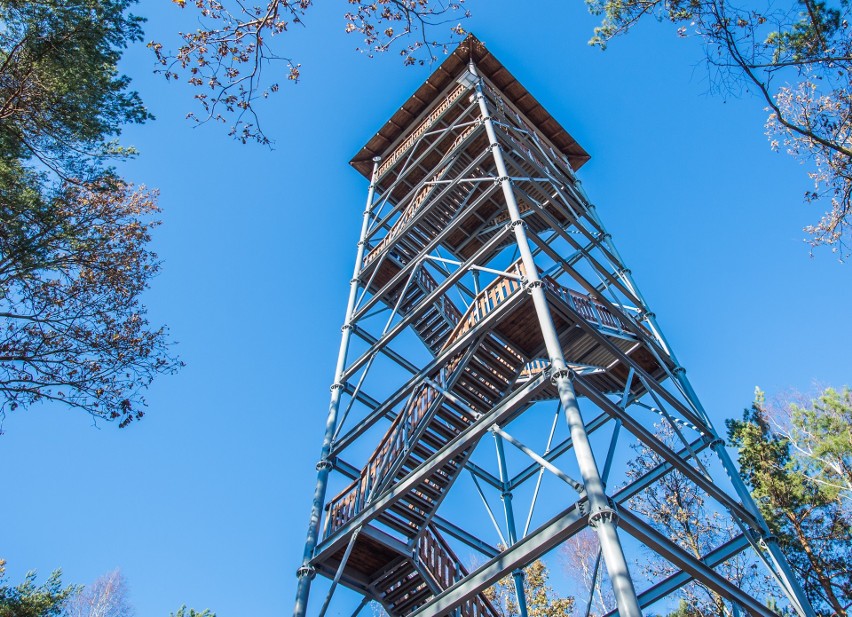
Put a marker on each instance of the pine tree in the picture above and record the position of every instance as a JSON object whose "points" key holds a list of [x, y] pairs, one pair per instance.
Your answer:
{"points": [[803, 510]]}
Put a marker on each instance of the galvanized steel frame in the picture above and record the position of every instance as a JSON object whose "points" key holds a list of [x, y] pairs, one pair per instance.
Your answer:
{"points": [[552, 187]]}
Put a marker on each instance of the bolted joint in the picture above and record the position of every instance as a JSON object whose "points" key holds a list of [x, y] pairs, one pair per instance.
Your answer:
{"points": [[354, 280], [493, 147], [679, 370], [519, 223], [345, 327], [718, 442], [506, 495], [530, 285], [600, 516], [501, 179], [562, 374], [308, 571], [362, 242], [324, 464], [377, 159], [336, 386]]}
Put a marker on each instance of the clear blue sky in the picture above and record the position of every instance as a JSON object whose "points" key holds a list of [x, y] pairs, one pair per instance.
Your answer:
{"points": [[205, 501]]}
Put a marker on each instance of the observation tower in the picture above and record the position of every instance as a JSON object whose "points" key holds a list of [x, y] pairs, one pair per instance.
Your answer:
{"points": [[497, 363]]}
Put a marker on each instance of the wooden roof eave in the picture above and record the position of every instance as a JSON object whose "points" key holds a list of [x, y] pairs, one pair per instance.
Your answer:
{"points": [[445, 75]]}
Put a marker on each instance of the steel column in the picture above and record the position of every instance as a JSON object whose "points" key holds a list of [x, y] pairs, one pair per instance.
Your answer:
{"points": [[306, 572], [506, 495], [602, 516]]}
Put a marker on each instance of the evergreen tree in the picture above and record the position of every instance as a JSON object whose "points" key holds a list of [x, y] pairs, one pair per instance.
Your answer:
{"points": [[73, 236], [29, 600], [191, 612], [798, 492]]}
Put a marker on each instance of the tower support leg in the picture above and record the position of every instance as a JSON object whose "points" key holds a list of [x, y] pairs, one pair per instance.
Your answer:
{"points": [[602, 516], [517, 575], [306, 573]]}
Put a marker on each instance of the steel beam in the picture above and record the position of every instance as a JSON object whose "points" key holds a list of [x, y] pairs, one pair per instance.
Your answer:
{"points": [[714, 558], [470, 435], [666, 453], [690, 564], [536, 544]]}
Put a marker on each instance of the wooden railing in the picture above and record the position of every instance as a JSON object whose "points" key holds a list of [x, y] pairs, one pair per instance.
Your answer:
{"points": [[446, 568], [488, 299], [522, 125], [396, 441], [414, 206], [392, 447], [531, 369], [424, 126], [504, 287]]}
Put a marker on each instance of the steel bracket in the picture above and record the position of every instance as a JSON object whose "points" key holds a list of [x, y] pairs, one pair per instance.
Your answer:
{"points": [[606, 514], [308, 571]]}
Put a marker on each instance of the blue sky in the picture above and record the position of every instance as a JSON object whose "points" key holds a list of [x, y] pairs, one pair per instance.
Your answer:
{"points": [[205, 502]]}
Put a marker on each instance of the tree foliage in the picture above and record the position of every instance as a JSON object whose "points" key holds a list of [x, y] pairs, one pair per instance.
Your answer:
{"points": [[62, 99], [797, 57], [183, 611], [73, 237], [225, 57], [30, 600], [541, 600], [679, 509], [798, 490]]}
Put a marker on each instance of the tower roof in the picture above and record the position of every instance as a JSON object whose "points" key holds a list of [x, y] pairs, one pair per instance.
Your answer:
{"points": [[450, 69]]}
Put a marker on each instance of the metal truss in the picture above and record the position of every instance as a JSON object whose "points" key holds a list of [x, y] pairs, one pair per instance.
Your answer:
{"points": [[486, 289]]}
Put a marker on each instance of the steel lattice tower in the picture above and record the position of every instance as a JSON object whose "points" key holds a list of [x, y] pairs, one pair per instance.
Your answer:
{"points": [[485, 289]]}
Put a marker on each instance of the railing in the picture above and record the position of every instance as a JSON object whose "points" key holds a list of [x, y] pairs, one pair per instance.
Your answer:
{"points": [[590, 310], [531, 369], [488, 299], [504, 287], [395, 442], [522, 125], [424, 126], [445, 568], [415, 204]]}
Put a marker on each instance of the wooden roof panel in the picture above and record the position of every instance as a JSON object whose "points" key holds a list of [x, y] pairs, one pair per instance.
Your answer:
{"points": [[449, 70]]}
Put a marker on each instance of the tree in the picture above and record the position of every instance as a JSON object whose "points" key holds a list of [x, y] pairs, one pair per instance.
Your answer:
{"points": [[29, 600], [802, 509], [62, 100], [797, 57], [225, 57], [821, 434], [541, 600], [184, 612], [106, 597], [678, 509], [73, 236], [584, 564]]}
